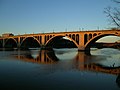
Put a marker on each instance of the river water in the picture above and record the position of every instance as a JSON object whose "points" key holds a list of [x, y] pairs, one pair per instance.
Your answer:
{"points": [[60, 69]]}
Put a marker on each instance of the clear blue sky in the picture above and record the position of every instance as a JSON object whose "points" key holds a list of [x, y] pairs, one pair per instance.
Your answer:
{"points": [[36, 16]]}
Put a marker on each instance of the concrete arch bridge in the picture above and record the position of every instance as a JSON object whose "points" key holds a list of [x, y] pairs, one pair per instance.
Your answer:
{"points": [[82, 39]]}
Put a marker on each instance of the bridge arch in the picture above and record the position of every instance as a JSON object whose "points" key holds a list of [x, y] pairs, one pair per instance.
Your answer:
{"points": [[33, 39], [60, 36], [97, 37], [10, 43]]}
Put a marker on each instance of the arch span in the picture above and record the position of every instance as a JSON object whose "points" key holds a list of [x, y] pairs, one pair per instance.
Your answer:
{"points": [[54, 38], [30, 42], [10, 43], [97, 37]]}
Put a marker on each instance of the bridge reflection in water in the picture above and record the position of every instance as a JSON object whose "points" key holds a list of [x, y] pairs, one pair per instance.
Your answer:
{"points": [[38, 56], [80, 62]]}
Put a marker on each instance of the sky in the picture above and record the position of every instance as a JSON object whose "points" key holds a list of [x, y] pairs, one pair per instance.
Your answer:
{"points": [[41, 16]]}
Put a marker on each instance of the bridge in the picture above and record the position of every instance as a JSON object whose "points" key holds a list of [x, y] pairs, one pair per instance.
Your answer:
{"points": [[82, 39]]}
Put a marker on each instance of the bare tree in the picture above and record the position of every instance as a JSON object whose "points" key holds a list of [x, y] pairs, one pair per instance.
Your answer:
{"points": [[117, 1], [113, 13]]}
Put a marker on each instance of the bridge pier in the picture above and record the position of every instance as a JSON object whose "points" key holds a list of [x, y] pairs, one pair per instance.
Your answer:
{"points": [[46, 48], [3, 43], [18, 45], [83, 49]]}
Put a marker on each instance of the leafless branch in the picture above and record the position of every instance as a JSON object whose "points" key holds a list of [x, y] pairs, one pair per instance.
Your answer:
{"points": [[113, 14], [116, 1]]}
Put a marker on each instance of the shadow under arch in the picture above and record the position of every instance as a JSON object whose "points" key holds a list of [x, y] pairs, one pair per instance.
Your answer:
{"points": [[97, 37], [30, 42], [52, 40], [1, 44], [10, 43]]}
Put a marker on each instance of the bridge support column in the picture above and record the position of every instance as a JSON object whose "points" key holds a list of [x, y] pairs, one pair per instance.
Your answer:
{"points": [[42, 47], [43, 41], [3, 44], [81, 43], [81, 48], [18, 45], [46, 48], [84, 49]]}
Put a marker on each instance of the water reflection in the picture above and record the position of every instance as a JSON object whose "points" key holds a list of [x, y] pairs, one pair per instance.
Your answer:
{"points": [[58, 68], [37, 56], [118, 80], [81, 61]]}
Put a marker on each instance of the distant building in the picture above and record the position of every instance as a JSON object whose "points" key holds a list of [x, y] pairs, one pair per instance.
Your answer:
{"points": [[7, 34]]}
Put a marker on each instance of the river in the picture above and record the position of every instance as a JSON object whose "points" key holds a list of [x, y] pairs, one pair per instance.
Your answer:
{"points": [[60, 69]]}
